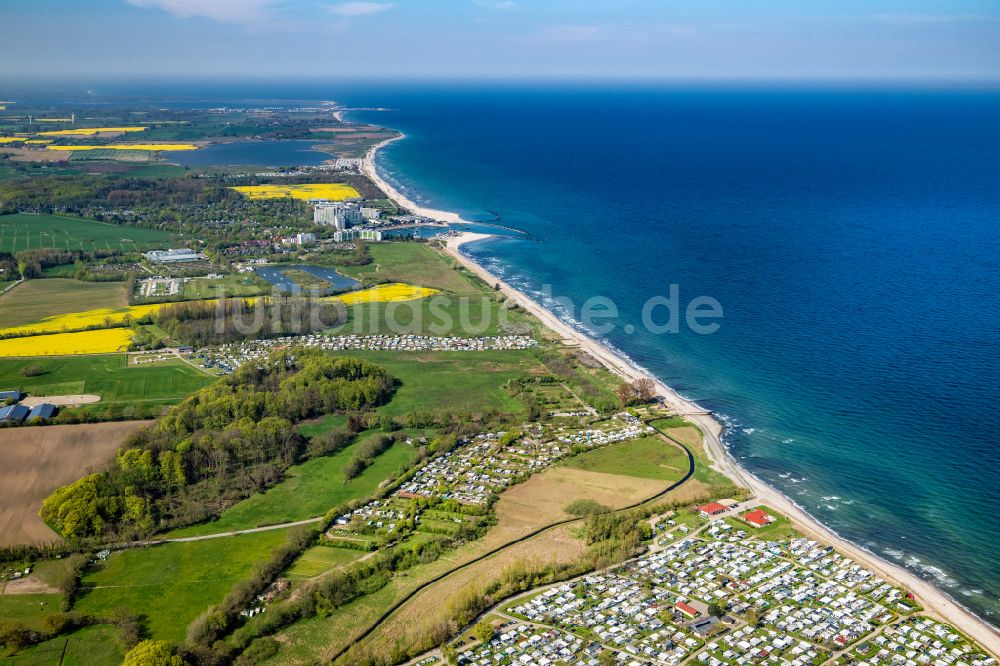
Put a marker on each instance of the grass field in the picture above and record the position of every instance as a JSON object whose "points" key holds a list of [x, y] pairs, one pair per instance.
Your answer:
{"points": [[173, 583], [415, 263], [319, 559], [108, 376], [31, 609], [311, 489], [432, 381], [91, 646], [646, 457], [466, 306], [23, 231], [33, 300], [225, 287], [37, 461]]}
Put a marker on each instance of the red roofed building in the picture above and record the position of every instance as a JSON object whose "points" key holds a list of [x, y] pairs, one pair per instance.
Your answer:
{"points": [[758, 517], [687, 610], [711, 509]]}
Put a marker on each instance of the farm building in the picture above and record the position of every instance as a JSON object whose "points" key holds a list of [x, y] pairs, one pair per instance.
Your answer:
{"points": [[11, 395], [13, 414], [42, 411]]}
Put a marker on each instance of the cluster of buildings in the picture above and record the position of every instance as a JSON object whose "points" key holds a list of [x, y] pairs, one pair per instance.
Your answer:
{"points": [[14, 413], [231, 356], [919, 640], [620, 614], [527, 645], [810, 605], [479, 469]]}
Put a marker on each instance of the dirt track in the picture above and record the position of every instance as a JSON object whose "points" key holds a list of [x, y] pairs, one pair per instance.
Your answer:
{"points": [[34, 461]]}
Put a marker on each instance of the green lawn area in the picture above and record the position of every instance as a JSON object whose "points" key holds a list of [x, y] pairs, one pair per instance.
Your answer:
{"points": [[780, 530], [433, 381], [414, 263], [311, 489], [91, 646], [31, 609], [107, 376], [33, 300], [23, 231], [322, 425], [320, 559], [230, 285], [467, 306], [173, 583], [646, 457]]}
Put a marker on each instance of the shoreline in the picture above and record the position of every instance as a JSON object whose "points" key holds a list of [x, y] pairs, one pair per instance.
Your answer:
{"points": [[936, 602]]}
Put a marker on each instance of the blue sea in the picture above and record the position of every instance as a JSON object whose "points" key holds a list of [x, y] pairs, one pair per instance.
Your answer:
{"points": [[852, 238]]}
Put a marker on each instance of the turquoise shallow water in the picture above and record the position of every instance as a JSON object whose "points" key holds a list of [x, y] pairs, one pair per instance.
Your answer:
{"points": [[851, 237]]}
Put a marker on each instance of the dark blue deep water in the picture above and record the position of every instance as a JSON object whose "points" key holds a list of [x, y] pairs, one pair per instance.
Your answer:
{"points": [[852, 238]]}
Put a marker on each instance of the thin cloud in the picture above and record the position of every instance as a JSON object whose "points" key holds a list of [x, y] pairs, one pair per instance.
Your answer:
{"points": [[505, 5], [224, 11], [350, 9]]}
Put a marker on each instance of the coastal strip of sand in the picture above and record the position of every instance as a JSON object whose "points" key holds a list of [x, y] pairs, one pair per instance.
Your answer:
{"points": [[935, 601]]}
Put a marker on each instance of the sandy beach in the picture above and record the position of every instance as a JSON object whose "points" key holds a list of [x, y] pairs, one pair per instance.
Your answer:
{"points": [[368, 168], [935, 602]]}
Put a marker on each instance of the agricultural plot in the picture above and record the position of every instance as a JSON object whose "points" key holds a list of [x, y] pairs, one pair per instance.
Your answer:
{"points": [[304, 191], [91, 646], [68, 344], [108, 376], [33, 300], [37, 461], [22, 231], [171, 584], [320, 559]]}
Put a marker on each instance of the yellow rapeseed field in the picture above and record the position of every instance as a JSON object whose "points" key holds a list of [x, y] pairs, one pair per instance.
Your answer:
{"points": [[75, 321], [105, 318], [11, 139], [90, 131], [129, 146], [85, 342], [305, 191], [39, 141], [385, 293]]}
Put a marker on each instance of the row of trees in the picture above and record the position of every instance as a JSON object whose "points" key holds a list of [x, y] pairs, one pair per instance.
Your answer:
{"points": [[201, 323], [223, 443]]}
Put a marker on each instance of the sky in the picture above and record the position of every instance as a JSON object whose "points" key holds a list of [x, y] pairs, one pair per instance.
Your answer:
{"points": [[686, 40]]}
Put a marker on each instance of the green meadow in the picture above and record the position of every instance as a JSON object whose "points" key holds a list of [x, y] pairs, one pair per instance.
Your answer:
{"points": [[106, 375], [23, 231], [646, 458], [310, 489], [173, 583], [466, 381]]}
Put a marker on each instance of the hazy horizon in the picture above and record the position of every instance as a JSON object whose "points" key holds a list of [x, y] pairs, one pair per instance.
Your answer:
{"points": [[467, 40]]}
